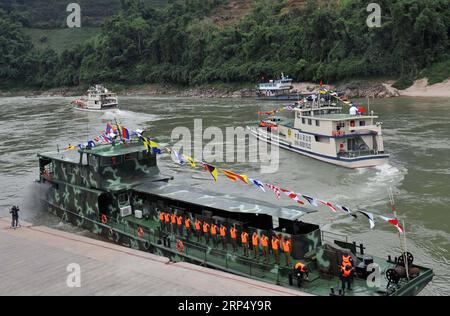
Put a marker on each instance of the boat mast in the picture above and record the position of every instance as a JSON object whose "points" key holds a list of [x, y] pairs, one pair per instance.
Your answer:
{"points": [[402, 240]]}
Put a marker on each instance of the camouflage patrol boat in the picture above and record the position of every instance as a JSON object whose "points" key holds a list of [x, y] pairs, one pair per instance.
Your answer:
{"points": [[117, 191]]}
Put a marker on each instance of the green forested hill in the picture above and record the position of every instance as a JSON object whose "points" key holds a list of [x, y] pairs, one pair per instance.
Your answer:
{"points": [[182, 43], [52, 13]]}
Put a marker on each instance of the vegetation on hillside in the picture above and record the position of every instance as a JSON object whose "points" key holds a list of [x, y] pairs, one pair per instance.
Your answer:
{"points": [[180, 44]]}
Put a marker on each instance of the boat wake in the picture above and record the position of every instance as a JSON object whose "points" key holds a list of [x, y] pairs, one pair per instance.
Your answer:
{"points": [[129, 117]]}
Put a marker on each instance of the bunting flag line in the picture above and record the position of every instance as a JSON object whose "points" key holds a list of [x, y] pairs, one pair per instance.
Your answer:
{"points": [[310, 200], [346, 210], [110, 129], [212, 170], [394, 222], [235, 176], [191, 161], [274, 189], [259, 184], [293, 196], [155, 147], [177, 157], [125, 133], [370, 217], [329, 205]]}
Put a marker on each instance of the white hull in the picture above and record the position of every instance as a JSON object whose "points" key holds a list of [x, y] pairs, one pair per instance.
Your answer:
{"points": [[111, 109], [357, 162]]}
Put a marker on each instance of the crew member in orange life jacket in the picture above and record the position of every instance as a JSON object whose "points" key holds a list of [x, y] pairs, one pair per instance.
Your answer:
{"points": [[346, 270]]}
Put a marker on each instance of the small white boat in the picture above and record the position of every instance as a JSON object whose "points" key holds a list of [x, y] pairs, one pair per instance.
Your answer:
{"points": [[324, 132], [99, 99]]}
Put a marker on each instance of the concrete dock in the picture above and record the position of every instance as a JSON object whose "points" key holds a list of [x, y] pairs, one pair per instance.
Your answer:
{"points": [[34, 261]]}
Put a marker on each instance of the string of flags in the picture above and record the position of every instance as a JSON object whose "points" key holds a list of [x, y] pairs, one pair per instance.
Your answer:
{"points": [[112, 132]]}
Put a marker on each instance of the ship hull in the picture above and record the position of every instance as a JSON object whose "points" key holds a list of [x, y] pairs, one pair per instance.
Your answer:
{"points": [[156, 244], [352, 163], [108, 109]]}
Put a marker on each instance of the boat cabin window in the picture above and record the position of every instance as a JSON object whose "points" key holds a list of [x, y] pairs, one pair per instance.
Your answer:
{"points": [[111, 161], [124, 199], [317, 123], [93, 160], [131, 156], [340, 125], [309, 122], [362, 123], [303, 120]]}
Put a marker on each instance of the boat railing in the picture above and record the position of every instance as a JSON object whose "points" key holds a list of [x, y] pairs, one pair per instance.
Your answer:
{"points": [[330, 237]]}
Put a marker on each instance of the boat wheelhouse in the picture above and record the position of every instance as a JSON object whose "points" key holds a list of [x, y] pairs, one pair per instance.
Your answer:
{"points": [[324, 132], [117, 191], [98, 99]]}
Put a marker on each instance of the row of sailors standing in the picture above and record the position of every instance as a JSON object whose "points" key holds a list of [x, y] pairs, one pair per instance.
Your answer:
{"points": [[171, 222]]}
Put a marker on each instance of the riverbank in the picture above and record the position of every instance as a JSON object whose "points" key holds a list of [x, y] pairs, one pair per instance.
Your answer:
{"points": [[37, 260], [361, 88]]}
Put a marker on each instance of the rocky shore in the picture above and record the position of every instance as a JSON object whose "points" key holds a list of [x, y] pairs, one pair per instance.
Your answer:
{"points": [[353, 89]]}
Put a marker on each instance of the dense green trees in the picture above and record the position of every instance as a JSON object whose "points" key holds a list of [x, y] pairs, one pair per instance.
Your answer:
{"points": [[179, 43]]}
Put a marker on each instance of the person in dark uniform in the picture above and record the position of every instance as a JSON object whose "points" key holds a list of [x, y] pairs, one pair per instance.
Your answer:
{"points": [[15, 216], [300, 272]]}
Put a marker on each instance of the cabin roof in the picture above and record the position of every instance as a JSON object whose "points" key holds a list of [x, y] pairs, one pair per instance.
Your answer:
{"points": [[185, 193], [117, 150]]}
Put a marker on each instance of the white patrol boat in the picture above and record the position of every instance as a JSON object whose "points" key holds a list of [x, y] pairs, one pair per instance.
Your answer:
{"points": [[324, 132], [99, 99]]}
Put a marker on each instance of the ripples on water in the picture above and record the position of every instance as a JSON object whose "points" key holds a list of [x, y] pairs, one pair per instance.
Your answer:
{"points": [[416, 133]]}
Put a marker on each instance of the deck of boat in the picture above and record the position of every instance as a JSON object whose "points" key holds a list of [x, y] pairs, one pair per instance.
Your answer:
{"points": [[237, 263]]}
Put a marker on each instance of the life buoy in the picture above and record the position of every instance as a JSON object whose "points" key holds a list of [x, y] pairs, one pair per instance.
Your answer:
{"points": [[146, 245], [352, 123], [140, 232], [104, 219], [179, 245]]}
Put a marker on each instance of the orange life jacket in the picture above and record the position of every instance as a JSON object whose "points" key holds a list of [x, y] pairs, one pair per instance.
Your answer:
{"points": [[274, 244], [244, 237], [346, 262], [255, 239], [223, 231], [167, 217], [346, 270], [213, 229], [347, 259], [205, 227], [233, 233], [173, 219], [198, 224], [264, 241], [300, 267], [161, 217], [180, 220], [187, 223], [287, 246]]}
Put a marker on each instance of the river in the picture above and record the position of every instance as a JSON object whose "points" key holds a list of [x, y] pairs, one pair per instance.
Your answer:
{"points": [[416, 134]]}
